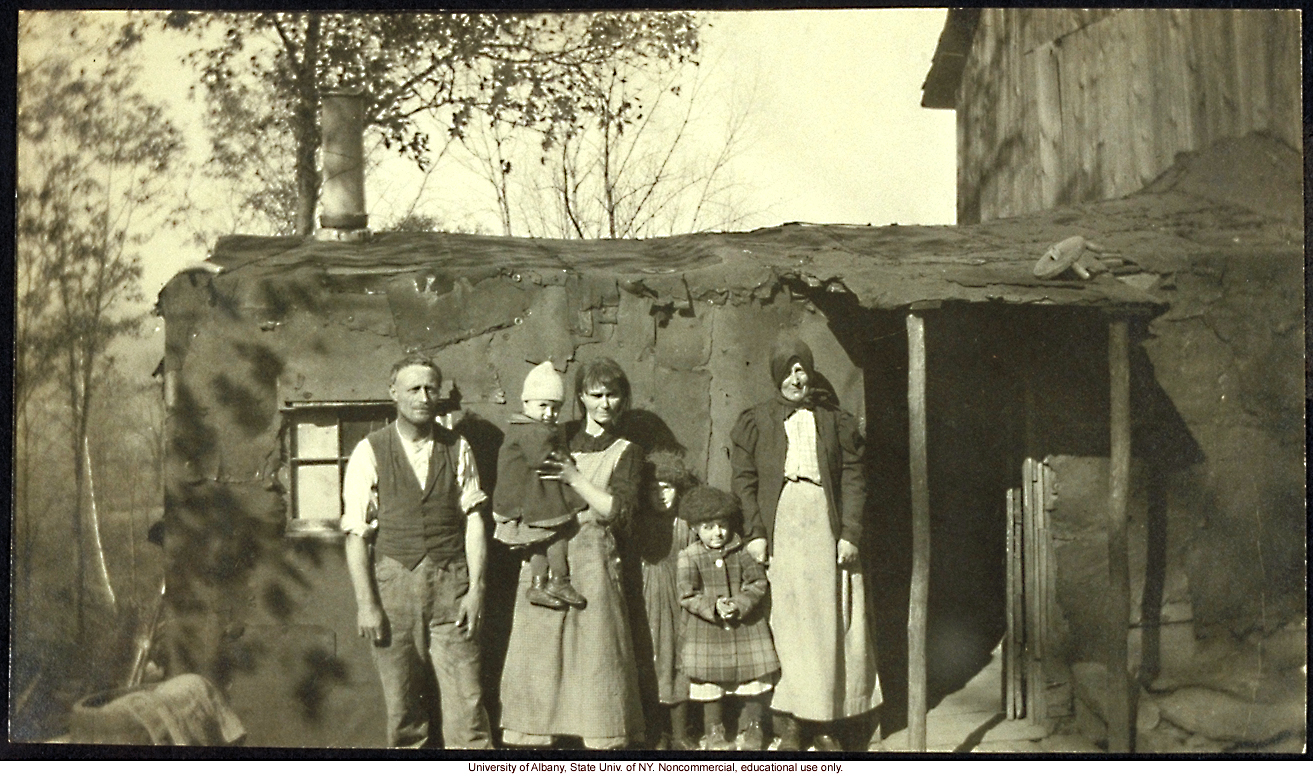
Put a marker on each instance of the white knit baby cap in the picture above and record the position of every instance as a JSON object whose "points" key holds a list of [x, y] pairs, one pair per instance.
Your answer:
{"points": [[543, 383]]}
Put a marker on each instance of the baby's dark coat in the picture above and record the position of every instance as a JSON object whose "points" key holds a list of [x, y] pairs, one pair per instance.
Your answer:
{"points": [[522, 501]]}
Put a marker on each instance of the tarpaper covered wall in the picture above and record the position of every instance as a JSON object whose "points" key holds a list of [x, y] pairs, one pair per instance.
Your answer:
{"points": [[1217, 528], [1230, 357], [273, 618]]}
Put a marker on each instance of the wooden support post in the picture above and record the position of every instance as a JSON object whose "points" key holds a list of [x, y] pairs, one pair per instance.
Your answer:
{"points": [[919, 596], [1034, 584], [1009, 643], [1120, 733]]}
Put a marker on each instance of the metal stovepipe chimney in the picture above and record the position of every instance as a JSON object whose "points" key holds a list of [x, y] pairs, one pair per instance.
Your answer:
{"points": [[342, 204]]}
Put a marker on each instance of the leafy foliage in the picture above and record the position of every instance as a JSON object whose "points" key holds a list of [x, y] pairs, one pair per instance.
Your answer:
{"points": [[94, 158], [263, 73], [643, 155]]}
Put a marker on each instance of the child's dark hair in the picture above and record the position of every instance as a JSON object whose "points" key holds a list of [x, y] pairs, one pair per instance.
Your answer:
{"points": [[668, 466]]}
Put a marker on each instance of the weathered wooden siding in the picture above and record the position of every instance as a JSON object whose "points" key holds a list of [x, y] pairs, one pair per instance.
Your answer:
{"points": [[1133, 88]]}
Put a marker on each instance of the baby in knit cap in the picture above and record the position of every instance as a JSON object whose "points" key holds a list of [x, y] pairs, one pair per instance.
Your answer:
{"points": [[531, 512]]}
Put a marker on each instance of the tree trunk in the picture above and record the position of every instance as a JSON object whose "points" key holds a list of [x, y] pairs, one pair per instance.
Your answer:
{"points": [[306, 128], [79, 607], [105, 589], [608, 185], [132, 541]]}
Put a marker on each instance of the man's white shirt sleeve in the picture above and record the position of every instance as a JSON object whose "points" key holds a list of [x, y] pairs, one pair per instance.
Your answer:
{"points": [[358, 488], [467, 477]]}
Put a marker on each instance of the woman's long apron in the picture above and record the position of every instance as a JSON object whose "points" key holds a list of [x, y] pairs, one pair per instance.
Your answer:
{"points": [[572, 672], [818, 615]]}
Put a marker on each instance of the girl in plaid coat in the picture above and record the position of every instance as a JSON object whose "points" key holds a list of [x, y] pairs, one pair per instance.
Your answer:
{"points": [[727, 642]]}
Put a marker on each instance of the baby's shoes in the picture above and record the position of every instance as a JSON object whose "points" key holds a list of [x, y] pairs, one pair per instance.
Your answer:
{"points": [[561, 588], [539, 596]]}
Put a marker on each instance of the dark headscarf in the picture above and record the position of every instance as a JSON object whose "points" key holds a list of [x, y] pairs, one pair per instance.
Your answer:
{"points": [[790, 350]]}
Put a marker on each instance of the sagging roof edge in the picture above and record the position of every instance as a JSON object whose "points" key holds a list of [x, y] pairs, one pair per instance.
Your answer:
{"points": [[940, 87], [822, 290]]}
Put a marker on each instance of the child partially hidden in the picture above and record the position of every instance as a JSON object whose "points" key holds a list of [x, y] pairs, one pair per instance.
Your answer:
{"points": [[727, 642], [531, 512]]}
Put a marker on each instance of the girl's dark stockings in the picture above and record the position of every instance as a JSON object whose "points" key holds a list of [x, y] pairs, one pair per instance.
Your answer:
{"points": [[714, 725], [557, 559], [552, 556], [679, 727]]}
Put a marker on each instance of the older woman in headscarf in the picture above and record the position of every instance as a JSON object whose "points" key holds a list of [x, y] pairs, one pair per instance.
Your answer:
{"points": [[797, 470]]}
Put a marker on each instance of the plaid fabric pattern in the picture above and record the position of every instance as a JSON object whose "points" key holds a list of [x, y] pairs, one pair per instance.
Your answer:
{"points": [[713, 652]]}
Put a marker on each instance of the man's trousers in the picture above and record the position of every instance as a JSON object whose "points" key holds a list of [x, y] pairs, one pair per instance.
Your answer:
{"points": [[421, 607]]}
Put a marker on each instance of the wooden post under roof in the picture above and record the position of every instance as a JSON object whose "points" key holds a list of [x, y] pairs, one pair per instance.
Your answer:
{"points": [[1120, 733], [919, 595]]}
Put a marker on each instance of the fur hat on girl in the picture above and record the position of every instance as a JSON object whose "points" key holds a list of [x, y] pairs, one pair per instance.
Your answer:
{"points": [[543, 383], [703, 503]]}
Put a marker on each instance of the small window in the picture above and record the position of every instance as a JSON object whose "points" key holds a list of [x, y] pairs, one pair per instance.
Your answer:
{"points": [[318, 439]]}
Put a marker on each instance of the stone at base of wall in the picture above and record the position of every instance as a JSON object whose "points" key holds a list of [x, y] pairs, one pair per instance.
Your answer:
{"points": [[1224, 717], [1238, 695]]}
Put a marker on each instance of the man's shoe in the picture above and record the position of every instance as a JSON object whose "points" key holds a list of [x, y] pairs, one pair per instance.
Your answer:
{"points": [[539, 596], [716, 741], [751, 739], [823, 742], [561, 588]]}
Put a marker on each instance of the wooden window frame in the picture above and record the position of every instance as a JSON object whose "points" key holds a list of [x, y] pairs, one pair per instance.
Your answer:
{"points": [[294, 413]]}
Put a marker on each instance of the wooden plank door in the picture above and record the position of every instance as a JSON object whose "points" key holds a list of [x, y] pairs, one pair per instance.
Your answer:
{"points": [[1031, 599], [1014, 640]]}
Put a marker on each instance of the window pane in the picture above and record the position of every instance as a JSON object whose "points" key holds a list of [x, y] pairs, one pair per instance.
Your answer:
{"points": [[355, 430], [316, 434], [318, 492]]}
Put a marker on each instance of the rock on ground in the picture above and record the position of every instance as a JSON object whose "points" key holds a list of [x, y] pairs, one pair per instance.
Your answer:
{"points": [[1223, 717], [1067, 742]]}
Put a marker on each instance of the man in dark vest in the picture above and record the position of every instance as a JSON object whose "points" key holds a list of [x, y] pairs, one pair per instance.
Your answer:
{"points": [[419, 599]]}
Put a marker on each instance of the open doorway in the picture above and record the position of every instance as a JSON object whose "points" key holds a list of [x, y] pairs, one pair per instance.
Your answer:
{"points": [[1006, 386]]}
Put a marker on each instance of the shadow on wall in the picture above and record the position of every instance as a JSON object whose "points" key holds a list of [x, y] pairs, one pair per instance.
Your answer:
{"points": [[647, 430], [503, 565], [1161, 439], [227, 563]]}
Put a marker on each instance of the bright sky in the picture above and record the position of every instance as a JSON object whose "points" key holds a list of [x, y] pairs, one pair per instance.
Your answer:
{"points": [[838, 134], [845, 138]]}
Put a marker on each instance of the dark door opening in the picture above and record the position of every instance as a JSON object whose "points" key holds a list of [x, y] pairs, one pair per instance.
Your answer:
{"points": [[976, 435]]}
